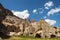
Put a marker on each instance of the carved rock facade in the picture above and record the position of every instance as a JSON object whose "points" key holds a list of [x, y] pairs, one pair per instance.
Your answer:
{"points": [[12, 25]]}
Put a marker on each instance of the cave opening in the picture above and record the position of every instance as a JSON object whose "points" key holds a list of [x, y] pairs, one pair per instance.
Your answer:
{"points": [[38, 36], [53, 36]]}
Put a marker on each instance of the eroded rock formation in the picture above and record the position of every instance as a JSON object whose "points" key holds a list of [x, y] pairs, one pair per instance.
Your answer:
{"points": [[13, 25]]}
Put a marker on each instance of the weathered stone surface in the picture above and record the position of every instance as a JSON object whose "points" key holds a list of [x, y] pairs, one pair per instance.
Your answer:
{"points": [[12, 25], [8, 21], [47, 31]]}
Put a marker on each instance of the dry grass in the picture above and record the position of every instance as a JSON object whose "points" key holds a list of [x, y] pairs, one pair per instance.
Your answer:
{"points": [[30, 38]]}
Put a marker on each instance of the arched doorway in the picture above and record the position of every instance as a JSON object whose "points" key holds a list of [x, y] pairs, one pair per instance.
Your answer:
{"points": [[38, 36], [53, 36]]}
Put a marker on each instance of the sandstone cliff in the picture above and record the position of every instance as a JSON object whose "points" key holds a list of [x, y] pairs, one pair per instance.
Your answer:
{"points": [[13, 25], [9, 23]]}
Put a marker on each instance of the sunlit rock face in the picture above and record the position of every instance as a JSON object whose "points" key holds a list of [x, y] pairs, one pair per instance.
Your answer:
{"points": [[3, 13], [13, 25], [8, 22], [46, 30]]}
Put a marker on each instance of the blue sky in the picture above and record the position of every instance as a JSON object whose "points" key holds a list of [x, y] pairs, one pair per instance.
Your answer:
{"points": [[35, 9]]}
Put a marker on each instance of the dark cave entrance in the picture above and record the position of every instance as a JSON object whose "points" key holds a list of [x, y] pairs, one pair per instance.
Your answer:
{"points": [[37, 36], [4, 36], [53, 36]]}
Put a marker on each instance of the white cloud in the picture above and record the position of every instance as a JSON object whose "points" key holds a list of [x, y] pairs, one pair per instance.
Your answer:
{"points": [[48, 4], [45, 17], [39, 10], [53, 11], [51, 22], [35, 10], [21, 14]]}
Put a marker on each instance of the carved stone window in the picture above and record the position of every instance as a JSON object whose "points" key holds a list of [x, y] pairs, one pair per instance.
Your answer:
{"points": [[56, 32], [59, 31]]}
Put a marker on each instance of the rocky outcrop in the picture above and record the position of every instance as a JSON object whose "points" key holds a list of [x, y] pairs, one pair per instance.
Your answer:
{"points": [[4, 12], [46, 30], [13, 25], [9, 22]]}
